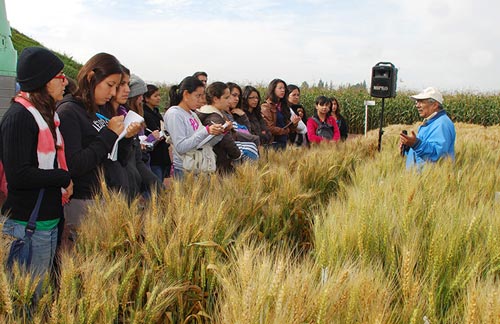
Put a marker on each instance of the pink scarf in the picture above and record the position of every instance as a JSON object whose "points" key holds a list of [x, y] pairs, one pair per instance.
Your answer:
{"points": [[46, 148]]}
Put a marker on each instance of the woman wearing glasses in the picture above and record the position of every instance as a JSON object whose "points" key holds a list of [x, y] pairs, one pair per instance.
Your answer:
{"points": [[277, 114], [32, 152], [251, 106]]}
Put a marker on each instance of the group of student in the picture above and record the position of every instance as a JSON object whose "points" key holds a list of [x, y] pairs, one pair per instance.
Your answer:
{"points": [[58, 138], [241, 124]]}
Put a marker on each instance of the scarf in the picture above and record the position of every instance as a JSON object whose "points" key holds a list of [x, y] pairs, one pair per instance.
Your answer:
{"points": [[46, 148]]}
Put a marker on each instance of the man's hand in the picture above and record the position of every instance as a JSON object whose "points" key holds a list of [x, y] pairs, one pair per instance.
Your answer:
{"points": [[408, 140]]}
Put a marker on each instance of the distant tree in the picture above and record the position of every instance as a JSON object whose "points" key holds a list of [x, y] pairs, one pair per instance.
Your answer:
{"points": [[321, 84], [304, 85]]}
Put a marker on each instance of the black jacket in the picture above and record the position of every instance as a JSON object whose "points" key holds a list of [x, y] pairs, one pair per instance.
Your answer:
{"points": [[258, 126], [18, 149], [159, 155], [88, 142], [128, 174]]}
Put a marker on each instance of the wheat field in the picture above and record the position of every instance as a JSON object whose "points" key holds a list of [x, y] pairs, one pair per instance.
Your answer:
{"points": [[334, 234]]}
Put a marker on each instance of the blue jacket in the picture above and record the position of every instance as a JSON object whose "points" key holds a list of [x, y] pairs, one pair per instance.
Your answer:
{"points": [[435, 139]]}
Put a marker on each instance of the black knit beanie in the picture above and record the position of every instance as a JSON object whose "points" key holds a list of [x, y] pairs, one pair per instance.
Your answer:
{"points": [[36, 66]]}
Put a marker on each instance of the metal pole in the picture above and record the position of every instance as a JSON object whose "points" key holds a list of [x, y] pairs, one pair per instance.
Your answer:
{"points": [[366, 118], [380, 132]]}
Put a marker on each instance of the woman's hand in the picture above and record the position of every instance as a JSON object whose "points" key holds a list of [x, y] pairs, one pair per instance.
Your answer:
{"points": [[69, 189], [116, 124], [238, 112], [133, 129], [295, 119], [215, 129], [156, 134]]}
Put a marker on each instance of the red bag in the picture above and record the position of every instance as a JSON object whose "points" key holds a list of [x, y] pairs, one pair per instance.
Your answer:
{"points": [[3, 185]]}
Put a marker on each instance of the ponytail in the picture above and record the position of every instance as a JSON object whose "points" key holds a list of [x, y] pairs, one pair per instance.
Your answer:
{"points": [[189, 84], [175, 97]]}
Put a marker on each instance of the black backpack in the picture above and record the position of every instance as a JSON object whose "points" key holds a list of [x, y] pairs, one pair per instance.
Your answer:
{"points": [[324, 129]]}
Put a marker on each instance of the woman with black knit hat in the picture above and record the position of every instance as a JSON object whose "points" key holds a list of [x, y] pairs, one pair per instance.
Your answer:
{"points": [[32, 152]]}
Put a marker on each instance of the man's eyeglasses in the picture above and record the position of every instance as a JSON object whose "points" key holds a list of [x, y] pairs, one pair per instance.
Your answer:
{"points": [[61, 76]]}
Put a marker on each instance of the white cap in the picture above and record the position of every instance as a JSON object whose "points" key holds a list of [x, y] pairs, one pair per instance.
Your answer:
{"points": [[429, 93]]}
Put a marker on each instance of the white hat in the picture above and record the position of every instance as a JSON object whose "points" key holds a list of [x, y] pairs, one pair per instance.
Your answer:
{"points": [[429, 93]]}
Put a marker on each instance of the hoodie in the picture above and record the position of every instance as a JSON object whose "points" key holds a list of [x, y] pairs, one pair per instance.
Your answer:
{"points": [[87, 141]]}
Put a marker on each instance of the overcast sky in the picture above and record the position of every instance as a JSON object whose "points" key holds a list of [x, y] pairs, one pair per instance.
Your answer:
{"points": [[451, 44]]}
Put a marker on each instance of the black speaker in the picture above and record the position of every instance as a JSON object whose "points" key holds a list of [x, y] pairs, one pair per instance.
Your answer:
{"points": [[384, 78]]}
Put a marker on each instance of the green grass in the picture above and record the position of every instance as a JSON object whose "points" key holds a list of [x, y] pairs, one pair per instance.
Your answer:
{"points": [[20, 41]]}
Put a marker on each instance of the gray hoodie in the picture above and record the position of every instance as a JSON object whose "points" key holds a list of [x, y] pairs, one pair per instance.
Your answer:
{"points": [[186, 132]]}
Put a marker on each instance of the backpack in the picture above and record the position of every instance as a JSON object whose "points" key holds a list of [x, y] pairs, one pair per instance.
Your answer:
{"points": [[324, 129]]}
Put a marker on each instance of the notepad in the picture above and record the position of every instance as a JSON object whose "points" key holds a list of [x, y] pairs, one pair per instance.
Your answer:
{"points": [[131, 117]]}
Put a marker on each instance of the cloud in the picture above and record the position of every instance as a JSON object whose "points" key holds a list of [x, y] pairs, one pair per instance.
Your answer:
{"points": [[449, 44]]}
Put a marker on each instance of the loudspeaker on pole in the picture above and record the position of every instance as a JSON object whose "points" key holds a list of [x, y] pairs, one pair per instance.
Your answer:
{"points": [[384, 79]]}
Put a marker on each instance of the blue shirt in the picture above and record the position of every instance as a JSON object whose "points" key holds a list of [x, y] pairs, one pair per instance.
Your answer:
{"points": [[435, 139]]}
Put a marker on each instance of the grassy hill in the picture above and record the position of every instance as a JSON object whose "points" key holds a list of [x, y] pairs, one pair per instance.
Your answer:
{"points": [[20, 41]]}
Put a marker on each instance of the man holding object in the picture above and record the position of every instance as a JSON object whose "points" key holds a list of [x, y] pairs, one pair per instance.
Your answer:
{"points": [[436, 136]]}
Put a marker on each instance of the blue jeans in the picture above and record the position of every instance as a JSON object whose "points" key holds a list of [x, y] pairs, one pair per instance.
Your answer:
{"points": [[44, 246], [159, 172], [178, 174]]}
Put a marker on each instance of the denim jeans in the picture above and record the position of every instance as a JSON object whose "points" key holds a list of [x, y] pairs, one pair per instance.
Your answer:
{"points": [[178, 174], [44, 246], [159, 171]]}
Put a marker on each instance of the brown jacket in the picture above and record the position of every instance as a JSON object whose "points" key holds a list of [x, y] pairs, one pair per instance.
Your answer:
{"points": [[226, 150], [269, 112]]}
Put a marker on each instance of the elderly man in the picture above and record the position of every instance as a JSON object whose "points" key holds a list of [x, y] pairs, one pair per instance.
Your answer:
{"points": [[436, 136]]}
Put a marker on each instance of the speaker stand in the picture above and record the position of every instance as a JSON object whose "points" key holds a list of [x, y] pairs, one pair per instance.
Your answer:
{"points": [[380, 132]]}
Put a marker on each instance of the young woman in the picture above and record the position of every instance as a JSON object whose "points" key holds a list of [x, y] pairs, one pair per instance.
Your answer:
{"points": [[88, 138], [341, 121], [32, 152], [241, 123], [251, 106], [134, 177], [322, 127], [277, 114], [299, 137], [218, 101], [160, 158], [183, 125]]}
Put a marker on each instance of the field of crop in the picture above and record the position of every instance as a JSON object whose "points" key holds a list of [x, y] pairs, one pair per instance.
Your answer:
{"points": [[333, 234], [479, 109]]}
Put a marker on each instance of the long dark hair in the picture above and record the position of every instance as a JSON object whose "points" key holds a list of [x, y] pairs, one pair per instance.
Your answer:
{"points": [[291, 88], [151, 90], [97, 68], [108, 107], [233, 85], [336, 113], [270, 95], [247, 91], [46, 105], [189, 84], [215, 90]]}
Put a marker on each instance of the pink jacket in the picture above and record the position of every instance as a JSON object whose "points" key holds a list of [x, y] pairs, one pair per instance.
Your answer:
{"points": [[312, 126]]}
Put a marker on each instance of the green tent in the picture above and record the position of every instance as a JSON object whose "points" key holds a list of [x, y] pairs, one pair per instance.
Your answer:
{"points": [[8, 61]]}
